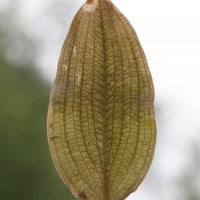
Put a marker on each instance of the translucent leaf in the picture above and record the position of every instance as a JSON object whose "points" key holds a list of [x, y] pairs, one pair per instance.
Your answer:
{"points": [[101, 123]]}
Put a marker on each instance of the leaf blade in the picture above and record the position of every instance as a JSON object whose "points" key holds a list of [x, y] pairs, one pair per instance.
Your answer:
{"points": [[101, 123]]}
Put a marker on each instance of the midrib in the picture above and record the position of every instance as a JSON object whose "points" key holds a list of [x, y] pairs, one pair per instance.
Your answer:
{"points": [[105, 112]]}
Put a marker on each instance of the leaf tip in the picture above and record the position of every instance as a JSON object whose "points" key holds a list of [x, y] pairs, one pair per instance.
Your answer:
{"points": [[90, 1], [90, 5]]}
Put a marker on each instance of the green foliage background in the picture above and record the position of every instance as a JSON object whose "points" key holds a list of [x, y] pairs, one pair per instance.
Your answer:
{"points": [[27, 170]]}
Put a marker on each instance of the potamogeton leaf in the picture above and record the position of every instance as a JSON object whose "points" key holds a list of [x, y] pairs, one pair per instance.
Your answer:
{"points": [[101, 123]]}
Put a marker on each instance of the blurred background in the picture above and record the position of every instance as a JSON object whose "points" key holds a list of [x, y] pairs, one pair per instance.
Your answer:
{"points": [[31, 38]]}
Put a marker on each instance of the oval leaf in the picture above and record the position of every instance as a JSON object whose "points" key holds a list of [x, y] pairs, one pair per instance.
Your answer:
{"points": [[101, 123]]}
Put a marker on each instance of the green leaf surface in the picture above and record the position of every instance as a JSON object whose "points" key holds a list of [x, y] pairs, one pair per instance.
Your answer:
{"points": [[101, 122]]}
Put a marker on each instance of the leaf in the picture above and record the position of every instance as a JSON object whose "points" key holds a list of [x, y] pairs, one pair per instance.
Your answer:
{"points": [[101, 123]]}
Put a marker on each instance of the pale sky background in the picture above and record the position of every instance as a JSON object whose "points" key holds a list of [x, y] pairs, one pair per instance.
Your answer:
{"points": [[169, 32]]}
